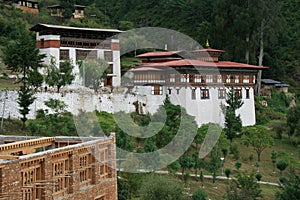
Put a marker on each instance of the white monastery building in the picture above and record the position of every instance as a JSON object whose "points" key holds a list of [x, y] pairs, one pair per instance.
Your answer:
{"points": [[75, 44]]}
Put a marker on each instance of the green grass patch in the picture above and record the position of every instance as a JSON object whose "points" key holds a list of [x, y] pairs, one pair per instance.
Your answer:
{"points": [[10, 84]]}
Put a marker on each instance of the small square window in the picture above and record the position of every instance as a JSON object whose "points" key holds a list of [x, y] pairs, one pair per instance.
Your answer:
{"points": [[204, 94]]}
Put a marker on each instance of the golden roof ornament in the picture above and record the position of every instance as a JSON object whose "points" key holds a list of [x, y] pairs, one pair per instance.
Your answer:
{"points": [[207, 43]]}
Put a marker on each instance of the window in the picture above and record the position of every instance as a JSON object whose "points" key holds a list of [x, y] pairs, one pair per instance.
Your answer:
{"points": [[84, 54], [197, 79], [85, 168], [237, 79], [172, 78], [209, 78], [247, 93], [184, 78], [222, 93], [219, 79], [192, 78], [64, 54], [108, 56], [193, 94], [177, 90], [170, 91], [227, 78], [59, 175], [42, 43], [246, 79], [238, 93], [1, 180], [157, 90], [204, 94]]}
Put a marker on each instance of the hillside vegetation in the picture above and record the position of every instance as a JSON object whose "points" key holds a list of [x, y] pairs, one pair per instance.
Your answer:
{"points": [[263, 32]]}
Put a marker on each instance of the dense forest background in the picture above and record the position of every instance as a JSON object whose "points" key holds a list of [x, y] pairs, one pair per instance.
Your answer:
{"points": [[264, 32]]}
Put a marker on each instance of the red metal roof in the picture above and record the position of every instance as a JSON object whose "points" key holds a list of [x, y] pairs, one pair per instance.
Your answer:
{"points": [[209, 50], [199, 63], [158, 54], [145, 69]]}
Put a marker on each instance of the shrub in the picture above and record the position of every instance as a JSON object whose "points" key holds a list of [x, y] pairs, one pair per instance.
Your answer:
{"points": [[238, 165], [161, 187], [258, 176], [282, 165], [199, 195]]}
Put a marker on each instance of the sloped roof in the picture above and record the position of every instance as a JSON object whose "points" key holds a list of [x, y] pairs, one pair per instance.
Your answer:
{"points": [[200, 63], [40, 26], [158, 54], [269, 81]]}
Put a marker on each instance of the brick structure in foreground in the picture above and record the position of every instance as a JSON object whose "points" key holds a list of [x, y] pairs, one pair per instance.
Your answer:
{"points": [[62, 168]]}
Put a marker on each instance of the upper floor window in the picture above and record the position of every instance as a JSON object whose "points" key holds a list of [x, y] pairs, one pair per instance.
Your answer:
{"points": [[236, 78], [227, 78], [184, 78], [108, 56], [197, 78], [172, 78], [219, 78], [246, 79], [209, 78]]}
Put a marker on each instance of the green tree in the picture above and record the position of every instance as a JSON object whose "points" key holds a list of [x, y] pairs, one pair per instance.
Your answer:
{"points": [[233, 122], [259, 138], [174, 167], [25, 99], [290, 189], [59, 76], [227, 173], [199, 195], [244, 187], [23, 57], [238, 165], [186, 162], [273, 158], [282, 165], [93, 71], [293, 120], [161, 187]]}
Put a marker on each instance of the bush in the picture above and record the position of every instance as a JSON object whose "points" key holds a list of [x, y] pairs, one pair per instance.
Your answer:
{"points": [[227, 172], [258, 176], [161, 187], [238, 165], [199, 195], [282, 165]]}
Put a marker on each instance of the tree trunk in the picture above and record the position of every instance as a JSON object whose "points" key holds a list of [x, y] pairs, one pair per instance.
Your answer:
{"points": [[247, 54], [261, 54], [261, 51], [258, 156]]}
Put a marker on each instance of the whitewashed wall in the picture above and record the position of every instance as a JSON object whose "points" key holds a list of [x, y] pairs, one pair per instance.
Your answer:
{"points": [[205, 111]]}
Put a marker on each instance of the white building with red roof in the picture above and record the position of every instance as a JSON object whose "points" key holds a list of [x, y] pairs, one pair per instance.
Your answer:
{"points": [[198, 81]]}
